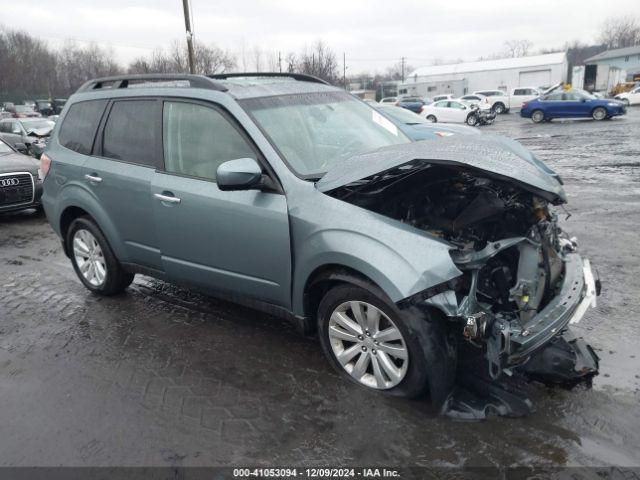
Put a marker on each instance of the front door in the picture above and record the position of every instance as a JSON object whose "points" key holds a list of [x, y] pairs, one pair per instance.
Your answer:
{"points": [[232, 241]]}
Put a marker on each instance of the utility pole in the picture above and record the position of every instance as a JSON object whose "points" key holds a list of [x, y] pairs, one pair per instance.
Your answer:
{"points": [[344, 70], [187, 24], [280, 62], [402, 63]]}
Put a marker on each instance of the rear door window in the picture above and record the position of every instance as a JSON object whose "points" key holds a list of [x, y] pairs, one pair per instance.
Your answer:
{"points": [[132, 132], [79, 126]]}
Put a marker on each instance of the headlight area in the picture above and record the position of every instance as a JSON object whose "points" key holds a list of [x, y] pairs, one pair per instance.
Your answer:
{"points": [[516, 295]]}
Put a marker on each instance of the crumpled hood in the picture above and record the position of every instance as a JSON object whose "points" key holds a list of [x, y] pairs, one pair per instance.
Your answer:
{"points": [[494, 155], [17, 162], [40, 132]]}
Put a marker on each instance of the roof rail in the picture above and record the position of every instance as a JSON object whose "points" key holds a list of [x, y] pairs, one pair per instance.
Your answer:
{"points": [[123, 81], [301, 77]]}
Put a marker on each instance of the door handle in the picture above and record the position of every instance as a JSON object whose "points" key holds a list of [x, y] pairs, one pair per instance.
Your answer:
{"points": [[93, 178], [166, 198]]}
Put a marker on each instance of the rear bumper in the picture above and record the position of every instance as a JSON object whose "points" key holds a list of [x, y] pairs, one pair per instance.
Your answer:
{"points": [[577, 293]]}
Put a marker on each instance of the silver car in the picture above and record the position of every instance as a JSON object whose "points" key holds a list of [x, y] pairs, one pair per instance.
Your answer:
{"points": [[290, 195]]}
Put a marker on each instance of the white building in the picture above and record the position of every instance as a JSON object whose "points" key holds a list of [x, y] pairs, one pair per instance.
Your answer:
{"points": [[504, 74]]}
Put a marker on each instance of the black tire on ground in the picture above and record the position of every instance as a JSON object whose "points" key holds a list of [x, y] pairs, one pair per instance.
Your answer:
{"points": [[472, 120], [599, 113], [499, 108], [116, 279], [431, 348], [432, 118], [626, 102], [537, 116]]}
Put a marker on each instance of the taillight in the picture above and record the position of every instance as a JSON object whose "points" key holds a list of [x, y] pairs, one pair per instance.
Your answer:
{"points": [[45, 164], [524, 105], [422, 109], [397, 104]]}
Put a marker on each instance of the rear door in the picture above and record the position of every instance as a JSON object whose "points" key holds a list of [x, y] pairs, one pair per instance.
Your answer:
{"points": [[233, 241], [128, 152], [554, 106]]}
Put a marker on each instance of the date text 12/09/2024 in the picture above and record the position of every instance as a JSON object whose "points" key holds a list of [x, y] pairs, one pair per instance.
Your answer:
{"points": [[315, 473]]}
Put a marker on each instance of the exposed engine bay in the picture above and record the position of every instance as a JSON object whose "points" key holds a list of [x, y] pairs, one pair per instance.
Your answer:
{"points": [[519, 269], [473, 211]]}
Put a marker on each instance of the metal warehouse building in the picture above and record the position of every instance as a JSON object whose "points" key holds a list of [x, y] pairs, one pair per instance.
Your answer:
{"points": [[504, 74]]}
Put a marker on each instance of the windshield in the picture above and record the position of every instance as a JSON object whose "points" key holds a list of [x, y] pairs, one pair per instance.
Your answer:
{"points": [[316, 131], [37, 124], [403, 115], [4, 148]]}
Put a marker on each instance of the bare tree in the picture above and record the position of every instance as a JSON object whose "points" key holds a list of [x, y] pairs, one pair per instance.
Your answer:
{"points": [[394, 72], [209, 59], [319, 61], [620, 32], [517, 48]]}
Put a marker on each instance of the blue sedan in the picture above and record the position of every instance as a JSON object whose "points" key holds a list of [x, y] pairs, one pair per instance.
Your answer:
{"points": [[572, 104]]}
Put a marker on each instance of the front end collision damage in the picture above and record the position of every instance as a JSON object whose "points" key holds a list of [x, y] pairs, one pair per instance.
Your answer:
{"points": [[533, 343], [522, 281]]}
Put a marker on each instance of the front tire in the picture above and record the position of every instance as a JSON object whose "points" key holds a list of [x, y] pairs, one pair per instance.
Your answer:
{"points": [[599, 113], [93, 260], [472, 120], [432, 118], [537, 116], [373, 344]]}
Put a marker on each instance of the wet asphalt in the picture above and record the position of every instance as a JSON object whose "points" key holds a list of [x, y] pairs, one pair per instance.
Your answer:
{"points": [[163, 376]]}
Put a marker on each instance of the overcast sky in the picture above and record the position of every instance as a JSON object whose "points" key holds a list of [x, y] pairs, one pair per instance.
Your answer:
{"points": [[373, 34]]}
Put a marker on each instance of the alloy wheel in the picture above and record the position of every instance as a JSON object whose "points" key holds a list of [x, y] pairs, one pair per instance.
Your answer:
{"points": [[599, 114], [537, 116], [89, 257], [368, 345]]}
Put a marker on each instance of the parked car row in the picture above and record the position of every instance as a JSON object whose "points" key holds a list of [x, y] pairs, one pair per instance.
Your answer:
{"points": [[31, 108], [481, 107]]}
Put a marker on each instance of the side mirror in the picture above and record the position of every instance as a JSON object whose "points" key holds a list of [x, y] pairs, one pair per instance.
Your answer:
{"points": [[21, 147], [240, 174], [583, 100]]}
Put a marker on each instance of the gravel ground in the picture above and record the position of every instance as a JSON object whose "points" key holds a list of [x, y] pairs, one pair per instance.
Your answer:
{"points": [[161, 376]]}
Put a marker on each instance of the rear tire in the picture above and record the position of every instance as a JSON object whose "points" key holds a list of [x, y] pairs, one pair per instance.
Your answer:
{"points": [[599, 113], [537, 116], [93, 260], [432, 118], [499, 108], [430, 363]]}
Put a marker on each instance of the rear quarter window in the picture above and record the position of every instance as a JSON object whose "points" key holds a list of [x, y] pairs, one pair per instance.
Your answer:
{"points": [[79, 126]]}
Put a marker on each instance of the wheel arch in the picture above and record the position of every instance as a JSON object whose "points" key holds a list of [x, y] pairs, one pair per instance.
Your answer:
{"points": [[327, 276], [75, 202]]}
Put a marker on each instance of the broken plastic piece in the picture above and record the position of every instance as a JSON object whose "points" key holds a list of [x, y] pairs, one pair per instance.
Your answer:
{"points": [[565, 360]]}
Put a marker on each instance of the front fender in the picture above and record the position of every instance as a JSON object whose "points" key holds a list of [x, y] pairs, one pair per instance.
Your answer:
{"points": [[403, 267]]}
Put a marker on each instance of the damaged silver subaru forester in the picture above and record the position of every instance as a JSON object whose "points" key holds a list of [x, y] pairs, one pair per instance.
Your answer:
{"points": [[417, 262]]}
